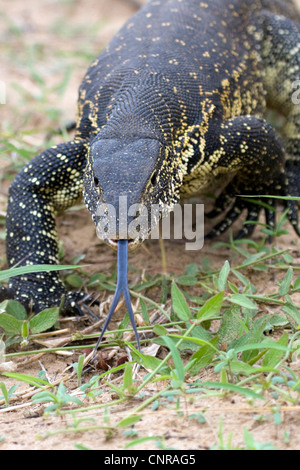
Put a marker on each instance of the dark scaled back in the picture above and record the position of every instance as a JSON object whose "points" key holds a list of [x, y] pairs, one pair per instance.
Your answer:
{"points": [[177, 101]]}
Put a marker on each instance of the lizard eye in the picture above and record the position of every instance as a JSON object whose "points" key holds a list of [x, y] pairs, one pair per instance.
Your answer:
{"points": [[96, 181]]}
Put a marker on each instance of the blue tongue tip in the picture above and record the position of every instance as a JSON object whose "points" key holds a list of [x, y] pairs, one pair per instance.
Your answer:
{"points": [[122, 286]]}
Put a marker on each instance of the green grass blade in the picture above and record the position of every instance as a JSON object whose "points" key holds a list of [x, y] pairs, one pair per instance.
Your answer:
{"points": [[176, 357], [179, 303], [35, 381], [37, 268], [233, 388]]}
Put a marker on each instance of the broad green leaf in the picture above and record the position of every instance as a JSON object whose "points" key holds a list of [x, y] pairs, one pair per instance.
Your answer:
{"points": [[176, 357], [14, 308], [242, 368], [233, 288], [192, 270], [74, 280], [293, 313], [251, 444], [253, 258], [149, 362], [129, 421], [286, 256], [10, 324], [186, 280], [128, 375], [211, 308], [144, 311], [201, 333], [179, 303], [277, 320], [203, 357], [200, 342], [25, 330], [160, 330], [230, 327], [243, 301], [44, 320], [78, 366], [75, 400], [222, 280], [4, 391], [286, 283], [268, 344], [244, 280], [273, 357], [297, 284], [43, 397], [198, 332], [255, 335]]}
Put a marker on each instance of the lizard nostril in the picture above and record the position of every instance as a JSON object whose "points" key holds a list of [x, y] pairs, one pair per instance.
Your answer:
{"points": [[96, 181]]}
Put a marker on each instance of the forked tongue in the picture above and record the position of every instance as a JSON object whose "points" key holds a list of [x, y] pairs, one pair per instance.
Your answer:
{"points": [[122, 286]]}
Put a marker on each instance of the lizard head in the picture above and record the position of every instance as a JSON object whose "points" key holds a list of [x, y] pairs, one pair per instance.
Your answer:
{"points": [[129, 184]]}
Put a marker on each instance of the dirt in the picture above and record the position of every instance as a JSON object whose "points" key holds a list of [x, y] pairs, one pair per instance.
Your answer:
{"points": [[21, 425]]}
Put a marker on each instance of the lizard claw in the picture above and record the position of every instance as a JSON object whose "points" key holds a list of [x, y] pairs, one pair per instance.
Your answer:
{"points": [[71, 303], [75, 304], [228, 195]]}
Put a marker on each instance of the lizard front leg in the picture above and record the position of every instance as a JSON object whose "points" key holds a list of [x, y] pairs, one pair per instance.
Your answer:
{"points": [[51, 182], [251, 148], [281, 61]]}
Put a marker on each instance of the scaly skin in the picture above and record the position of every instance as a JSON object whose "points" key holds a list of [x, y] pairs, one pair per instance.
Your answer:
{"points": [[176, 101]]}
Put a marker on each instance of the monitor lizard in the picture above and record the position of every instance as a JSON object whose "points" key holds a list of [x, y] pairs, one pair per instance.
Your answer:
{"points": [[176, 100]]}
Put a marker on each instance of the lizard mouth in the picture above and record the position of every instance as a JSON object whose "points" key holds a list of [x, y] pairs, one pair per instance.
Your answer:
{"points": [[132, 243], [112, 239]]}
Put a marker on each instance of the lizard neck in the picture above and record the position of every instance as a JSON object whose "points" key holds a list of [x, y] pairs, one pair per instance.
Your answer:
{"points": [[148, 105]]}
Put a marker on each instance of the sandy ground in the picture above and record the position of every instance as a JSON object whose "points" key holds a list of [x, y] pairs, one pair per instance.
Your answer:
{"points": [[35, 20]]}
